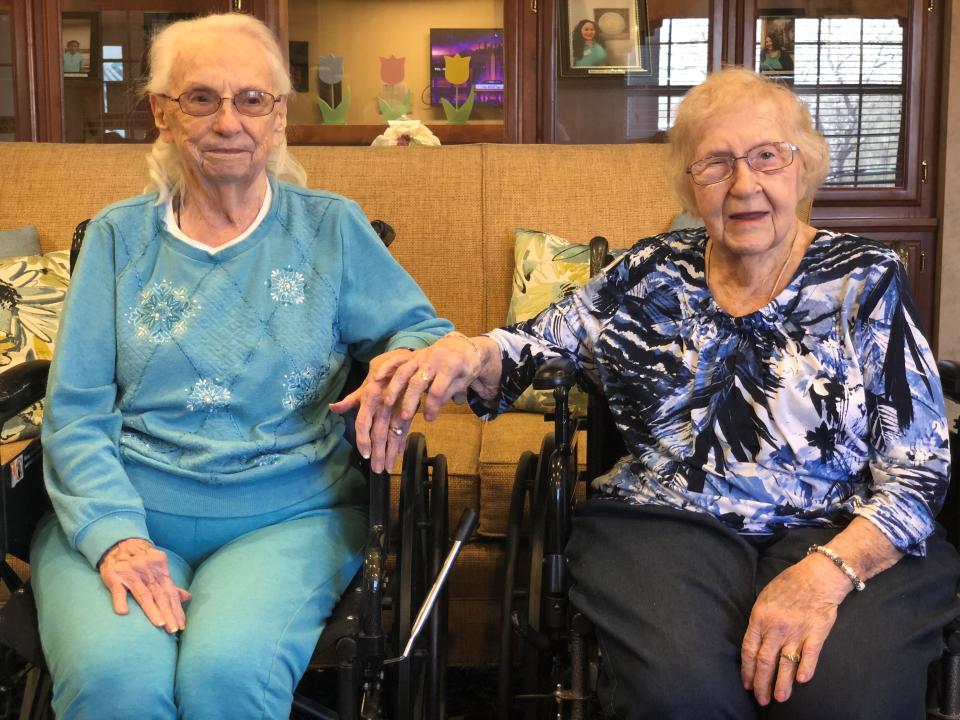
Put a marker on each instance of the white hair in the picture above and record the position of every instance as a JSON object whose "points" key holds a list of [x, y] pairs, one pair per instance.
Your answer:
{"points": [[166, 167]]}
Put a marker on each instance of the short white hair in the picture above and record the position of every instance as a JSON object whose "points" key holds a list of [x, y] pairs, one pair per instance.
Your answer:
{"points": [[166, 167], [725, 91]]}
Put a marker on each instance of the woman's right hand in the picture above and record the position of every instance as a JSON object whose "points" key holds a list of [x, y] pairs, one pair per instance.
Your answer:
{"points": [[136, 566], [445, 369]]}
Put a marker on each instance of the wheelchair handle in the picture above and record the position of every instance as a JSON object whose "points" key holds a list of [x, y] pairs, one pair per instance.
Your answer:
{"points": [[21, 386], [465, 528], [555, 373]]}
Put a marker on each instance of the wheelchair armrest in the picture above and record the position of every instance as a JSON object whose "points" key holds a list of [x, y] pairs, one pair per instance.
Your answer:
{"points": [[950, 379], [21, 386], [556, 373]]}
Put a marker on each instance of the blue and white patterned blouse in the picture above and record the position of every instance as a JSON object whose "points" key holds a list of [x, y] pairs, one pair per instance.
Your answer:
{"points": [[822, 404]]}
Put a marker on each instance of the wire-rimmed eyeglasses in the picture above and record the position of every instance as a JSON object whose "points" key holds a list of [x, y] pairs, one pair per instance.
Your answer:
{"points": [[763, 158], [201, 103]]}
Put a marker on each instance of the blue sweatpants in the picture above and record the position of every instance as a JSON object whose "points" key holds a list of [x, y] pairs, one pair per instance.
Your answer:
{"points": [[262, 587]]}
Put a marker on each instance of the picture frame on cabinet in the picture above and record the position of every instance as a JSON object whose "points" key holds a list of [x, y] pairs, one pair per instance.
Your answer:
{"points": [[79, 31], [603, 37], [776, 43]]}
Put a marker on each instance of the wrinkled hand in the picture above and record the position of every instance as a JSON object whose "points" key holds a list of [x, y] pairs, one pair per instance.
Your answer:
{"points": [[374, 438], [136, 566], [389, 397], [793, 614]]}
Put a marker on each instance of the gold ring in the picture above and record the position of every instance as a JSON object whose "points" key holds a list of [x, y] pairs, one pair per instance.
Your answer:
{"points": [[423, 376], [398, 431], [793, 657]]}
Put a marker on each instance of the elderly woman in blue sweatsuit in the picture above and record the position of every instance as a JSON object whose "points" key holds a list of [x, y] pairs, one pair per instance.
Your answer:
{"points": [[207, 513]]}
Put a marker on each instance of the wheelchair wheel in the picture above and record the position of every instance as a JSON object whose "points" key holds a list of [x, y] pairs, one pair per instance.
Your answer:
{"points": [[417, 687], [525, 651]]}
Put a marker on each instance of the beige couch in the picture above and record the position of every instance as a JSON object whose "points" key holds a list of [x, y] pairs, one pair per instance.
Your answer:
{"points": [[454, 210]]}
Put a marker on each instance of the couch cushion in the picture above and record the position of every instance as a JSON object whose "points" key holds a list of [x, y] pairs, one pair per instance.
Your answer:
{"points": [[431, 197], [504, 440], [55, 186], [19, 241], [457, 436], [545, 186]]}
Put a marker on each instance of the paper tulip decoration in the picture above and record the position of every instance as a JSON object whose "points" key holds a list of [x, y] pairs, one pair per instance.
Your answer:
{"points": [[456, 70], [330, 72], [398, 99]]}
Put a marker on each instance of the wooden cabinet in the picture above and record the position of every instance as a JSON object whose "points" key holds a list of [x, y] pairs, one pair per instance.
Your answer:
{"points": [[871, 71]]}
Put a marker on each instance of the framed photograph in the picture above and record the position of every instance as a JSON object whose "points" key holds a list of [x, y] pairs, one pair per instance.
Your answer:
{"points": [[603, 37], [79, 33], [775, 40]]}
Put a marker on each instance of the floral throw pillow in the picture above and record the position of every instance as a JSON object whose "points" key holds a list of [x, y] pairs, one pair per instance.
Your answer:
{"points": [[31, 296], [547, 268]]}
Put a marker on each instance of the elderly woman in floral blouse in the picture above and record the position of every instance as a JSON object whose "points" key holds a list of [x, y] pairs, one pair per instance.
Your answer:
{"points": [[768, 546]]}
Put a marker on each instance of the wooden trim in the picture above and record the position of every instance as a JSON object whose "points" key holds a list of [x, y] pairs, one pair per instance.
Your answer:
{"points": [[24, 71], [518, 73], [547, 107], [49, 75], [364, 134]]}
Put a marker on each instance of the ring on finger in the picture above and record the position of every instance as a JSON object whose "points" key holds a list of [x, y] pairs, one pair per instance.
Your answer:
{"points": [[396, 430], [793, 657], [423, 375]]}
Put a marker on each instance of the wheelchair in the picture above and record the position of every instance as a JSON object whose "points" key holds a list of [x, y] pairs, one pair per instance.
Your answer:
{"points": [[549, 660], [384, 669]]}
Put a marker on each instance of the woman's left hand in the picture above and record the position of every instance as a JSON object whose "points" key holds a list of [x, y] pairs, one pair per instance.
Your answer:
{"points": [[792, 616], [376, 439]]}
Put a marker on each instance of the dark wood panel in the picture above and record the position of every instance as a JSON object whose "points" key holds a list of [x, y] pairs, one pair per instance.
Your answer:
{"points": [[364, 134]]}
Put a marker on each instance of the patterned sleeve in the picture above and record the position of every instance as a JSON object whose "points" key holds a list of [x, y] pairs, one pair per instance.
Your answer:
{"points": [[909, 451], [569, 328]]}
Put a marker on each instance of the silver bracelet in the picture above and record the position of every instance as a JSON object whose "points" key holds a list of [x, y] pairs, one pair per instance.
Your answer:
{"points": [[454, 333], [851, 574]]}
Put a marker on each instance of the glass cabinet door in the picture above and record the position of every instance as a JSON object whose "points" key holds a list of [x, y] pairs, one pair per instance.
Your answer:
{"points": [[849, 64], [625, 100], [358, 65], [103, 61]]}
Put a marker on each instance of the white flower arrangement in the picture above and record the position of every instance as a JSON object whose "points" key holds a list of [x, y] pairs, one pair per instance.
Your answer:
{"points": [[406, 132]]}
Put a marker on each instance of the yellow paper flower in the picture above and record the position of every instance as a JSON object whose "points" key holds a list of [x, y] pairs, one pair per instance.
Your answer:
{"points": [[456, 69]]}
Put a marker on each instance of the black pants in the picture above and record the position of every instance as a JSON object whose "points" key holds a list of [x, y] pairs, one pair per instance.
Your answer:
{"points": [[670, 593]]}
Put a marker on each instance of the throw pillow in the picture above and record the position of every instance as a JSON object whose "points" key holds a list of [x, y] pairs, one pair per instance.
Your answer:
{"points": [[31, 296], [685, 221], [547, 268], [19, 242]]}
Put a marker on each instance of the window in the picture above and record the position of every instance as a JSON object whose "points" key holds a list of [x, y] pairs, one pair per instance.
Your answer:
{"points": [[683, 62], [850, 72]]}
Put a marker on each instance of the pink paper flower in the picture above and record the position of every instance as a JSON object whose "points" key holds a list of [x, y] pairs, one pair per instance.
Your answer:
{"points": [[391, 70]]}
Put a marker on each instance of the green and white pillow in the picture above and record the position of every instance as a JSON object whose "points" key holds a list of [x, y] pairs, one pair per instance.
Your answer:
{"points": [[547, 268], [31, 297]]}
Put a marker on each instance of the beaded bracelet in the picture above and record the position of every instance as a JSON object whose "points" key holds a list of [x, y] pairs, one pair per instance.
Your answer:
{"points": [[851, 574], [454, 333]]}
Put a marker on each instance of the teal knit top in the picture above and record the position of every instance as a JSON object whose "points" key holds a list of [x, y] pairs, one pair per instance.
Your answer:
{"points": [[198, 383]]}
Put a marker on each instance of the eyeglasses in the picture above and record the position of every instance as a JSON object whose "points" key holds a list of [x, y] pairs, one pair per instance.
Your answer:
{"points": [[201, 103], [764, 158]]}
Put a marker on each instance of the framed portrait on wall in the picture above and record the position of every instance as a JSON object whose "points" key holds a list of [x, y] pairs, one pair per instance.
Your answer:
{"points": [[775, 38], [603, 37], [78, 31]]}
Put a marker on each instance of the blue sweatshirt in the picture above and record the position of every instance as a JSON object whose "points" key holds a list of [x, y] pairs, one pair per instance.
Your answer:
{"points": [[198, 384]]}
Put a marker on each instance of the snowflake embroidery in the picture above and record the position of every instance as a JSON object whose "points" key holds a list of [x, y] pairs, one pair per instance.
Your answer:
{"points": [[207, 396], [302, 386], [262, 460], [163, 313], [286, 286]]}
